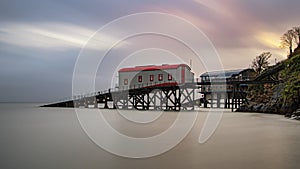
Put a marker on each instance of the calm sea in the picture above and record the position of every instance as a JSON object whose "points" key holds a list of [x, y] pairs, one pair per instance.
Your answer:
{"points": [[41, 138]]}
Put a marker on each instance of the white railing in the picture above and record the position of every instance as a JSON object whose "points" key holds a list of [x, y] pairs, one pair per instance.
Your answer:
{"points": [[111, 90]]}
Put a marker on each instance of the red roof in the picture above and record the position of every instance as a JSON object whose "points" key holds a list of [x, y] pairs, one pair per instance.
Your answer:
{"points": [[152, 67]]}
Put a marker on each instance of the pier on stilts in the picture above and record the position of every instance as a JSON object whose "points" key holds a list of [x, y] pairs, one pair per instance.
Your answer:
{"points": [[166, 98], [229, 93]]}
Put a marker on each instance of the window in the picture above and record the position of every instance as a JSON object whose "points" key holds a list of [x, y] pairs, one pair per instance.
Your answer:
{"points": [[125, 81], [160, 77], [170, 77], [151, 78], [140, 78]]}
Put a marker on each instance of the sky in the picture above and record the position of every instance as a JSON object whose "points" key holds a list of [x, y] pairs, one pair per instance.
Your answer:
{"points": [[40, 41]]}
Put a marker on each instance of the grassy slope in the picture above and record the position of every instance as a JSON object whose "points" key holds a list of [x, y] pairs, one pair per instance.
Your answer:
{"points": [[291, 77]]}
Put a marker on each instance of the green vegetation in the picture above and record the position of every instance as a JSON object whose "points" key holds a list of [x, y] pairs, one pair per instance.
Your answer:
{"points": [[291, 77]]}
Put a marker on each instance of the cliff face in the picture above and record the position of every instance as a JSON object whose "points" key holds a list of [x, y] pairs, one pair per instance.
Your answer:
{"points": [[282, 98]]}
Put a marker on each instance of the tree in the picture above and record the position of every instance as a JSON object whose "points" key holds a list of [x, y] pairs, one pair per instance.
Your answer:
{"points": [[261, 62], [287, 40]]}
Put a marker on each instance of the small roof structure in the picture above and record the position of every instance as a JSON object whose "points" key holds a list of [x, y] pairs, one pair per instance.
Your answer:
{"points": [[224, 74], [153, 67]]}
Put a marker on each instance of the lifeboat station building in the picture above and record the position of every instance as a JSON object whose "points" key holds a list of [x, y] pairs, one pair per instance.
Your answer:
{"points": [[153, 75]]}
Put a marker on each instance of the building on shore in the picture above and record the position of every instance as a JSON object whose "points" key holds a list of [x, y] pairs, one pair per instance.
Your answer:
{"points": [[222, 92]]}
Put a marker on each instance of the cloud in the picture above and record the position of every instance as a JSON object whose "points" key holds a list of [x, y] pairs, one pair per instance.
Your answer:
{"points": [[269, 39], [38, 46], [234, 25], [51, 35], [218, 7]]}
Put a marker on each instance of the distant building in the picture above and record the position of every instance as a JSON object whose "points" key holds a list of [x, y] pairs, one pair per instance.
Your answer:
{"points": [[229, 75], [225, 91], [225, 76]]}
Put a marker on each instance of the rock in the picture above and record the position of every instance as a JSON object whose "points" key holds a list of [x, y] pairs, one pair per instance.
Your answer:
{"points": [[296, 114], [243, 108], [258, 107]]}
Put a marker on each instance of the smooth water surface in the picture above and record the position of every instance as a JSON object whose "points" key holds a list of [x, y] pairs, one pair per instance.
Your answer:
{"points": [[41, 138]]}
